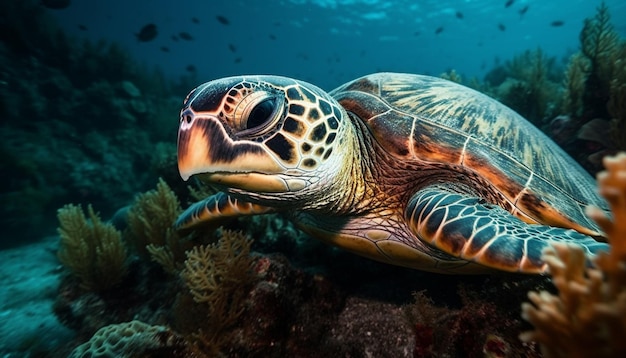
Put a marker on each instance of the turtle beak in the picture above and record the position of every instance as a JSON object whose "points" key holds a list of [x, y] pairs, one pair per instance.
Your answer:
{"points": [[204, 147]]}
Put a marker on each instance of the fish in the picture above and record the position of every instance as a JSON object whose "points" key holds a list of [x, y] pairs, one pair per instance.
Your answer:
{"points": [[56, 4], [501, 27], [459, 15], [223, 20], [232, 48], [147, 33], [509, 3], [82, 27], [165, 49], [237, 60], [439, 30], [557, 23], [185, 36], [272, 37], [174, 38], [523, 10], [416, 33], [195, 20], [191, 68]]}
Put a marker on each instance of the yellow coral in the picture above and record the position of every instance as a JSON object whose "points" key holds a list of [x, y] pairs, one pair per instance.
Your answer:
{"points": [[91, 249], [588, 317], [150, 226]]}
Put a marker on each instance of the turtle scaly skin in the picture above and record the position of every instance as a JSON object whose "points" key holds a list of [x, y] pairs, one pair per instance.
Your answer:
{"points": [[410, 170]]}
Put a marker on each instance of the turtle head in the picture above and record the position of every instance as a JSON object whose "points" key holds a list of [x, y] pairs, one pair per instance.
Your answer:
{"points": [[260, 134]]}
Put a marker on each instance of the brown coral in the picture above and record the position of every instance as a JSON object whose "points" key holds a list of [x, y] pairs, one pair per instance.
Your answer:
{"points": [[91, 249], [216, 276], [588, 316]]}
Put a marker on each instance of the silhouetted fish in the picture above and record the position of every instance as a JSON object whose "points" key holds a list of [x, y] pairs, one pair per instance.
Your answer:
{"points": [[232, 48], [185, 36], [523, 10], [82, 27], [56, 4], [147, 33], [459, 15], [174, 38], [237, 60], [509, 3], [557, 23], [439, 30], [272, 37], [191, 68], [223, 20], [501, 27], [195, 20], [165, 49]]}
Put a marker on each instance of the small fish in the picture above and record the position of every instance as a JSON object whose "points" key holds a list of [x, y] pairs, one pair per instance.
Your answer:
{"points": [[509, 3], [191, 68], [195, 20], [82, 27], [174, 38], [272, 37], [185, 36], [459, 15], [501, 27], [557, 23], [56, 4], [147, 33], [165, 49], [232, 48], [523, 10], [416, 33], [439, 30], [237, 60], [223, 20]]}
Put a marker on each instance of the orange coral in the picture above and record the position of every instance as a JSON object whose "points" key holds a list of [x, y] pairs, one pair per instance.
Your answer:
{"points": [[588, 316]]}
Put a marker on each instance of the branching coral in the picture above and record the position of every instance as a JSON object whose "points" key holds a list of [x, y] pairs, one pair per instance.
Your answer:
{"points": [[150, 227], [217, 275], [91, 249], [588, 317]]}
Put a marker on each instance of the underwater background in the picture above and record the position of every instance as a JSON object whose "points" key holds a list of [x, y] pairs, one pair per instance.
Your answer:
{"points": [[90, 93]]}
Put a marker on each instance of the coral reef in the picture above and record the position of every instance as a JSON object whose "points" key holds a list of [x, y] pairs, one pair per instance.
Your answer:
{"points": [[91, 110], [588, 316], [92, 250]]}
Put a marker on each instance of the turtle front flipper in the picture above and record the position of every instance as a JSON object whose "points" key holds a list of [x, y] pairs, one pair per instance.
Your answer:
{"points": [[472, 229], [216, 208]]}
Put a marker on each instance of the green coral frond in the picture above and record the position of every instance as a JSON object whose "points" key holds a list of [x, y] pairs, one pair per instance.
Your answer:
{"points": [[598, 38], [92, 250]]}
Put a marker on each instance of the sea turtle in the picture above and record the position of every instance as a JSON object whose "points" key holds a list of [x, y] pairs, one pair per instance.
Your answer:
{"points": [[406, 169]]}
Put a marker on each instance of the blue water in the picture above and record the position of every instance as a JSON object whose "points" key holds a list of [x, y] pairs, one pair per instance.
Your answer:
{"points": [[329, 42]]}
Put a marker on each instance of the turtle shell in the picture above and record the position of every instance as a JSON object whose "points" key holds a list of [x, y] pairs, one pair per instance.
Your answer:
{"points": [[427, 119]]}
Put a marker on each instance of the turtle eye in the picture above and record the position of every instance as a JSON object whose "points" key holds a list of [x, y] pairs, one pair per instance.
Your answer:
{"points": [[261, 114], [257, 113]]}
